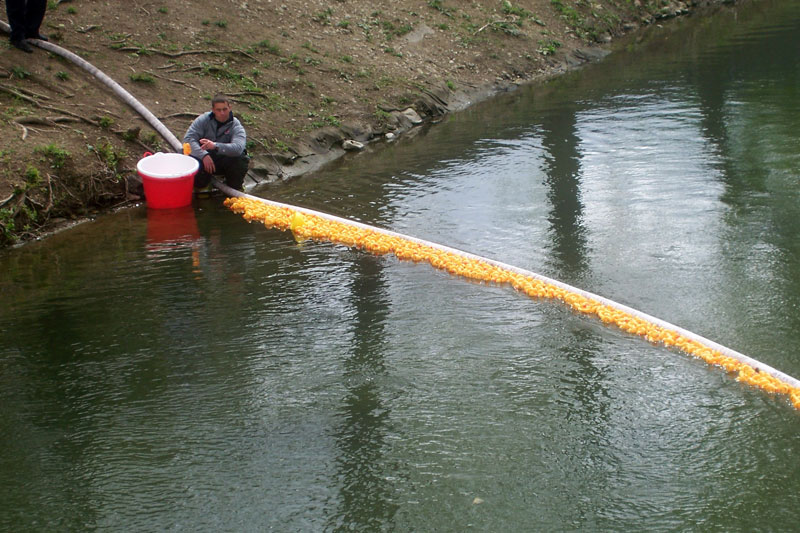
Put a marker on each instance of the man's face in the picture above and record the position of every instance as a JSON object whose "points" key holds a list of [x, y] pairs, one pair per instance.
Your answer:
{"points": [[222, 111]]}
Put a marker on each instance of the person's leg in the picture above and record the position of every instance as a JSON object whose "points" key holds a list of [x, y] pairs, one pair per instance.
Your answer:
{"points": [[15, 9], [202, 178], [233, 169], [34, 15]]}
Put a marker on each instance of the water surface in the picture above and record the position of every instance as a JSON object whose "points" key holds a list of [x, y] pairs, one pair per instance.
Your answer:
{"points": [[200, 373]]}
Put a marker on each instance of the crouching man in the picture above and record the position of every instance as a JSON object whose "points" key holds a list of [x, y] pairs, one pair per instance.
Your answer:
{"points": [[218, 141]]}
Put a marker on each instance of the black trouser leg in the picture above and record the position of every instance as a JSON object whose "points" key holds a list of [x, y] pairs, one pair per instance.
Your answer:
{"points": [[34, 15], [233, 169], [15, 9], [202, 178]]}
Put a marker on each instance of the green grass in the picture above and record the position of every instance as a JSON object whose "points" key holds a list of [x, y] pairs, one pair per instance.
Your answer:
{"points": [[224, 73], [109, 156], [569, 13], [55, 154], [510, 9], [324, 17], [548, 47], [246, 118], [438, 5], [20, 73], [390, 50], [382, 116], [271, 48], [141, 77], [33, 178]]}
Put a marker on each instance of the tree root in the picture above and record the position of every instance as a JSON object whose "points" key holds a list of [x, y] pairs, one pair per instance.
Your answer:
{"points": [[24, 130], [21, 96], [45, 121], [40, 121], [184, 52], [172, 80]]}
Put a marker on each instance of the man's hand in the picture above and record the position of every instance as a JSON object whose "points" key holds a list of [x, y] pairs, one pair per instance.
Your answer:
{"points": [[208, 164], [207, 145]]}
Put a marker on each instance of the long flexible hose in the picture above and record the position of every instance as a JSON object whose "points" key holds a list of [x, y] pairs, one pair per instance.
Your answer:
{"points": [[114, 86], [463, 263]]}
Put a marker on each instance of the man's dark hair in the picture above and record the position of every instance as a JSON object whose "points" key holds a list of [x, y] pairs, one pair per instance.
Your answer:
{"points": [[220, 98]]}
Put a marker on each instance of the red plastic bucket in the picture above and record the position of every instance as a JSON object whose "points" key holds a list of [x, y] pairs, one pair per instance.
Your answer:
{"points": [[168, 179]]}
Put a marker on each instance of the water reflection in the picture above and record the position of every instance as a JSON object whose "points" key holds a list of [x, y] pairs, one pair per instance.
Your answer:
{"points": [[47, 420], [171, 227], [750, 107], [590, 382], [365, 492], [563, 167], [583, 443]]}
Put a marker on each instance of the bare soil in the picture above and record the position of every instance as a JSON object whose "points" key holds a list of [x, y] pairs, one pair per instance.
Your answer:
{"points": [[304, 76]]}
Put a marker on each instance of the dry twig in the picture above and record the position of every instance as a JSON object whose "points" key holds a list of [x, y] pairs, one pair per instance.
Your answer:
{"points": [[49, 193], [172, 80], [182, 114], [248, 93], [75, 115], [44, 121], [33, 94], [183, 52], [24, 130], [14, 92], [492, 23]]}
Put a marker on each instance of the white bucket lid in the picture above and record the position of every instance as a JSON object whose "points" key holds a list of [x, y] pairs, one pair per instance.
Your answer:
{"points": [[162, 165]]}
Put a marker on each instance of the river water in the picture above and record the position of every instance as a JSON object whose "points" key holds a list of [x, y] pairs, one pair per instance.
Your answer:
{"points": [[189, 371]]}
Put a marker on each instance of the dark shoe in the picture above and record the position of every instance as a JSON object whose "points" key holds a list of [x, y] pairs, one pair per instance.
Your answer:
{"points": [[22, 44], [39, 36], [235, 186]]}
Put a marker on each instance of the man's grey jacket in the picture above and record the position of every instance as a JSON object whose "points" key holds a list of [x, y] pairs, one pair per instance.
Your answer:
{"points": [[229, 136]]}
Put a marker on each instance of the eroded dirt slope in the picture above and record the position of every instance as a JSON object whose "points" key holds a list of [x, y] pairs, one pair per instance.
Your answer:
{"points": [[304, 75]]}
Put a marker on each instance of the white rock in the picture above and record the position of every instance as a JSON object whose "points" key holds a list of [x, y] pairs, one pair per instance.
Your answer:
{"points": [[412, 115], [350, 145]]}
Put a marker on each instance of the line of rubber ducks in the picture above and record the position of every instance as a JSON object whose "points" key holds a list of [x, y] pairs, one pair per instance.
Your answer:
{"points": [[306, 226]]}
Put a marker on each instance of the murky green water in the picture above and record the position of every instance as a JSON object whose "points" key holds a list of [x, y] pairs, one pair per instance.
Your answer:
{"points": [[200, 373]]}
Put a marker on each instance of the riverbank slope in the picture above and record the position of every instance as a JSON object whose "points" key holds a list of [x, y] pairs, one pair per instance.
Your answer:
{"points": [[305, 76]]}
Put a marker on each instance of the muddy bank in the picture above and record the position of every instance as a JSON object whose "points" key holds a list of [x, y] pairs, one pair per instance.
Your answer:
{"points": [[330, 143], [316, 82]]}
